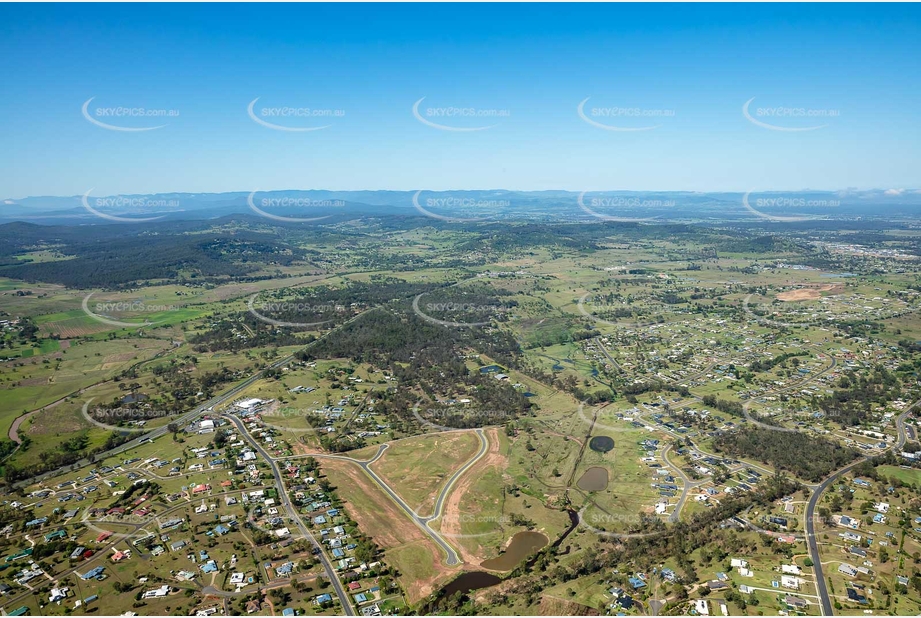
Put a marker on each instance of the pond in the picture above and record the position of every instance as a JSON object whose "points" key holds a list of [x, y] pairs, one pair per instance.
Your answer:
{"points": [[523, 544], [601, 444], [594, 479], [466, 582]]}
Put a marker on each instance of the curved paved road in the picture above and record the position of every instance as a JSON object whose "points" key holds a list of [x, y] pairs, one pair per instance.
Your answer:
{"points": [[687, 484], [820, 582], [422, 522]]}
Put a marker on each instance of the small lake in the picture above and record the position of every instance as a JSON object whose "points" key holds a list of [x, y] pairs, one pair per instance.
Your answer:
{"points": [[466, 582], [594, 479], [523, 544], [601, 444]]}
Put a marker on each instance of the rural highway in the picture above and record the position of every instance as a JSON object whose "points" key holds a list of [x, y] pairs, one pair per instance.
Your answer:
{"points": [[294, 515], [183, 420], [820, 582]]}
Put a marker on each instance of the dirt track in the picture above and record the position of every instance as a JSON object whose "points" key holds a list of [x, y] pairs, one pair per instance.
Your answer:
{"points": [[810, 293]]}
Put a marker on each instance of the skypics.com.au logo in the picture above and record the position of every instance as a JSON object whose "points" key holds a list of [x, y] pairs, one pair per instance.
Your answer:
{"points": [[620, 205], [122, 308], [309, 312], [788, 119], [457, 119], [622, 119], [477, 314], [270, 117], [118, 118], [299, 203], [461, 204], [111, 418], [122, 203], [785, 202]]}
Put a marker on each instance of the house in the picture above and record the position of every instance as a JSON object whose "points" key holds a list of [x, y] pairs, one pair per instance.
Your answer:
{"points": [[58, 594], [790, 569], [853, 596], [254, 606], [858, 551], [795, 602], [788, 581], [93, 573], [323, 598], [157, 593], [237, 578], [702, 608], [637, 583], [58, 534], [284, 570], [881, 507], [847, 569], [288, 611], [738, 563], [778, 521], [850, 536], [847, 522]]}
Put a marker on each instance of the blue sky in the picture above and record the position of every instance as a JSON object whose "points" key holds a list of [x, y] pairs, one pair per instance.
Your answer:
{"points": [[687, 69]]}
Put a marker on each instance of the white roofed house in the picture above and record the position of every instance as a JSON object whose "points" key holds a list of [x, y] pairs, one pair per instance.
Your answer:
{"points": [[788, 581]]}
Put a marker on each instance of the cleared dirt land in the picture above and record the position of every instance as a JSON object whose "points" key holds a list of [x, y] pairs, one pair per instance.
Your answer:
{"points": [[465, 508], [810, 293]]}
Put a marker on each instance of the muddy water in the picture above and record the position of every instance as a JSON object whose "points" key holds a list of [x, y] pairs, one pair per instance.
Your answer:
{"points": [[468, 582], [594, 479], [523, 545]]}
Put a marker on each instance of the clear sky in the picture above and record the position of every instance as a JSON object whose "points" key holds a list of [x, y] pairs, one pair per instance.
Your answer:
{"points": [[853, 70]]}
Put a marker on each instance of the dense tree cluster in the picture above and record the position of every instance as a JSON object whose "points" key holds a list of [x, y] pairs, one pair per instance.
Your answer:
{"points": [[786, 450]]}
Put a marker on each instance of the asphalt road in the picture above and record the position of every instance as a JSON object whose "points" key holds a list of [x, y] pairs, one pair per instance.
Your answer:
{"points": [[687, 484], [820, 581], [293, 514], [443, 496]]}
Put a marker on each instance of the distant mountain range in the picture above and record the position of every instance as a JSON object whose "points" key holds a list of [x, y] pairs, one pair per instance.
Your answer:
{"points": [[475, 205]]}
